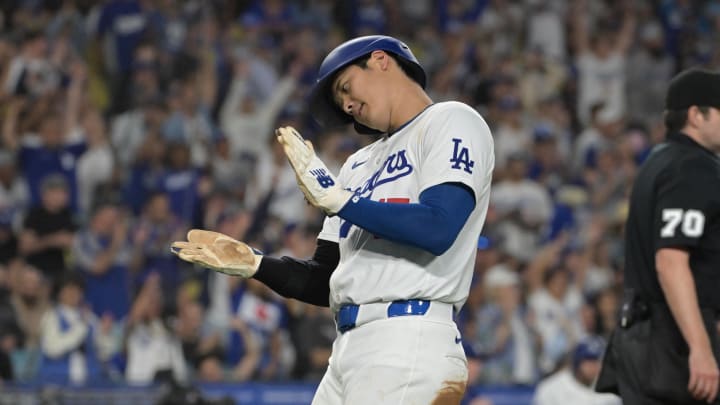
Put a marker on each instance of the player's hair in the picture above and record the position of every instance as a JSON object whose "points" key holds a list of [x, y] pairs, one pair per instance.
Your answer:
{"points": [[71, 279], [362, 61], [675, 120]]}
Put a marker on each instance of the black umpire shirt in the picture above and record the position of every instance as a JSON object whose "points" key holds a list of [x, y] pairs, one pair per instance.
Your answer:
{"points": [[675, 202]]}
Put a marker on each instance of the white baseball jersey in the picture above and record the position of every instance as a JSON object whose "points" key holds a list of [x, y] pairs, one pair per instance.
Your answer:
{"points": [[447, 142], [563, 388]]}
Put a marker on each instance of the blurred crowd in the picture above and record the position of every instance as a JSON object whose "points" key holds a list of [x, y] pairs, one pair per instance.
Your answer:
{"points": [[127, 122]]}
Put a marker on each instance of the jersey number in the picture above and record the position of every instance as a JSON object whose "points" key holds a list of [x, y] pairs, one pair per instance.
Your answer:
{"points": [[693, 222]]}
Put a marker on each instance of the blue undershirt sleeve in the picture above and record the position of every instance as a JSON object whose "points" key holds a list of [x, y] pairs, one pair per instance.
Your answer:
{"points": [[432, 224]]}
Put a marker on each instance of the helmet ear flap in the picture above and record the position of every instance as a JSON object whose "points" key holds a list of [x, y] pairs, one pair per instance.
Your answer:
{"points": [[412, 70]]}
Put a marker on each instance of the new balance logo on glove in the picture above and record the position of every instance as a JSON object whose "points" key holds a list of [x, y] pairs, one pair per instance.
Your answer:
{"points": [[321, 189], [323, 178]]}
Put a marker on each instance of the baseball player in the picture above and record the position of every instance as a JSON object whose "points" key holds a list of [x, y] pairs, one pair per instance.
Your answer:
{"points": [[574, 384], [394, 259]]}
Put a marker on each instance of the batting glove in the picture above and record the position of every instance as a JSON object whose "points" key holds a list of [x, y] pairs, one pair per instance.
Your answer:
{"points": [[218, 252], [315, 180]]}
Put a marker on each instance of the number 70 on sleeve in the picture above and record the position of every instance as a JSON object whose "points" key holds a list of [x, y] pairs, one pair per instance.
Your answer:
{"points": [[690, 222]]}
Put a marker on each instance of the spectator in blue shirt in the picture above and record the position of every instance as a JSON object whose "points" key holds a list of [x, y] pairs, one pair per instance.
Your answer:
{"points": [[58, 143], [151, 237], [51, 153], [181, 183], [71, 338], [102, 253], [263, 313], [121, 24], [243, 349], [145, 172]]}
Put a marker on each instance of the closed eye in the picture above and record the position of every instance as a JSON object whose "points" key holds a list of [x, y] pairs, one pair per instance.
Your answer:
{"points": [[341, 89]]}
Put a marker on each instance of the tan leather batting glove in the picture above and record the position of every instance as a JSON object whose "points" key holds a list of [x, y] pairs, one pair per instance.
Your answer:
{"points": [[315, 180], [218, 252]]}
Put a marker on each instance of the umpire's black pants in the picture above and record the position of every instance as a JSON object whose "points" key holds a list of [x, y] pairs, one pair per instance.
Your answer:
{"points": [[647, 362]]}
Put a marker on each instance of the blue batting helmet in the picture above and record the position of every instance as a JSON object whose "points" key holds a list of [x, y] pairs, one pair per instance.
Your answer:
{"points": [[323, 108], [590, 348]]}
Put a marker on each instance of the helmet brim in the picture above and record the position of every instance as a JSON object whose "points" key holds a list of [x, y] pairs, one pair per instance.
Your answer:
{"points": [[322, 107]]}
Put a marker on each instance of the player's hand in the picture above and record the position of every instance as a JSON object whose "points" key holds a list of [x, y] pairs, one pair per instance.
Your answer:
{"points": [[704, 375], [315, 180], [218, 252]]}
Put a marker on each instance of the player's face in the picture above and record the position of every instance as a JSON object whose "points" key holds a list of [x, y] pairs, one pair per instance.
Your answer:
{"points": [[71, 295], [55, 198], [710, 129], [587, 371], [50, 132], [360, 92], [105, 219]]}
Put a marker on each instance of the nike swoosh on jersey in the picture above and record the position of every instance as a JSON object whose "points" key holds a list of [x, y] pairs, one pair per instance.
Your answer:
{"points": [[357, 164], [458, 339]]}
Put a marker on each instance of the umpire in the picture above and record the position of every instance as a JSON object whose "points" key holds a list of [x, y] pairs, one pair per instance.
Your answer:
{"points": [[665, 349]]}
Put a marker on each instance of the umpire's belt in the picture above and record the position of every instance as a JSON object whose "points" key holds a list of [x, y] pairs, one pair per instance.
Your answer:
{"points": [[350, 316]]}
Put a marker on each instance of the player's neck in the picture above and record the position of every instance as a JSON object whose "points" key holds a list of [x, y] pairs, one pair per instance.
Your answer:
{"points": [[410, 100]]}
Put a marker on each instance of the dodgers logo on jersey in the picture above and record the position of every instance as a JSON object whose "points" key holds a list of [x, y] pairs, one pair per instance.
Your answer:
{"points": [[461, 156], [395, 166], [322, 177]]}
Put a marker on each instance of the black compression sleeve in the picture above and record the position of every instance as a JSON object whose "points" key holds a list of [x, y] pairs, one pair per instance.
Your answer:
{"points": [[305, 280]]}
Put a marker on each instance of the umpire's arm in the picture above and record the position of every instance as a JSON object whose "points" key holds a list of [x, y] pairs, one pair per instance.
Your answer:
{"points": [[678, 285]]}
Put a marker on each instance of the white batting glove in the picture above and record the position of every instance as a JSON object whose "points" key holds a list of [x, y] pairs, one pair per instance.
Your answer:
{"points": [[218, 252], [315, 180]]}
